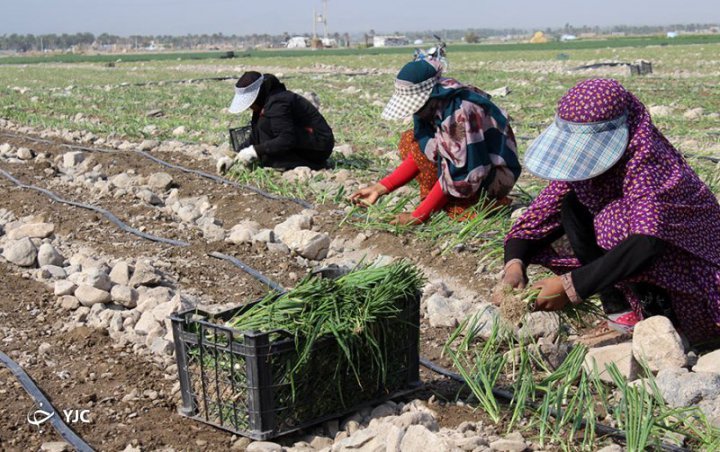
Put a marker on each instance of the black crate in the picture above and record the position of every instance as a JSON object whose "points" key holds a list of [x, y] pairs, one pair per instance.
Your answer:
{"points": [[238, 381], [240, 137]]}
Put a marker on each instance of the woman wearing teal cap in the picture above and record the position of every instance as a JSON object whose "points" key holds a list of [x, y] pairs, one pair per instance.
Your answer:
{"points": [[461, 148]]}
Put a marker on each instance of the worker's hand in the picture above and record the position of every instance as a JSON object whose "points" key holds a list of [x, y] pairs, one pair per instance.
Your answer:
{"points": [[552, 295], [515, 276], [223, 164], [247, 156], [405, 219], [368, 195]]}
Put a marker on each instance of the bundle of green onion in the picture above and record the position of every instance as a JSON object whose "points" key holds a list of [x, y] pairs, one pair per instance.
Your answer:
{"points": [[515, 304], [349, 309]]}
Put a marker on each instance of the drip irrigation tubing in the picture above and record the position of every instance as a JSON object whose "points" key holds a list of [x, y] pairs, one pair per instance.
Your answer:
{"points": [[508, 396], [203, 174], [119, 223], [500, 393], [106, 213], [44, 405], [249, 270]]}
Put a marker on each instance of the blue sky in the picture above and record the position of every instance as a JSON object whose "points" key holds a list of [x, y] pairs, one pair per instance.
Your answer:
{"points": [[126, 17]]}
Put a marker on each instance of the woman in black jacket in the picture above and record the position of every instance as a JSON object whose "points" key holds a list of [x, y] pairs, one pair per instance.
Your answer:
{"points": [[287, 130]]}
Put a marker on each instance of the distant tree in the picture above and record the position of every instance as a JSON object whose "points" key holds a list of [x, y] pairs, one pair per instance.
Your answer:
{"points": [[471, 38]]}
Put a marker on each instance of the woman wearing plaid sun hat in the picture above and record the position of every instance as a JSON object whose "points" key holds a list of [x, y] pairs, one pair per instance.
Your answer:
{"points": [[642, 227], [461, 148], [287, 130]]}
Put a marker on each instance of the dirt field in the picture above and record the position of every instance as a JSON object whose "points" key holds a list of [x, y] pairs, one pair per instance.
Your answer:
{"points": [[114, 359], [132, 399]]}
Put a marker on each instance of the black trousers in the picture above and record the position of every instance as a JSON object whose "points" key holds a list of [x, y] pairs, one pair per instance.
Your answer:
{"points": [[579, 228]]}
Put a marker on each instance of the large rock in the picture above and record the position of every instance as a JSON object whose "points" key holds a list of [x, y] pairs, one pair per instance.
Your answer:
{"points": [[148, 145], [681, 388], [33, 231], [55, 446], [25, 154], [292, 224], [309, 244], [123, 180], [146, 323], [264, 236], [120, 273], [21, 252], [160, 181], [212, 231], [160, 346], [94, 277], [244, 232], [124, 295], [447, 311], [89, 296], [73, 159], [711, 408], [423, 418], [264, 446], [709, 362], [656, 343], [150, 299], [419, 439], [145, 275], [513, 442], [68, 302], [356, 441], [64, 287], [52, 272], [149, 197], [48, 255], [540, 324], [620, 354], [162, 311]]}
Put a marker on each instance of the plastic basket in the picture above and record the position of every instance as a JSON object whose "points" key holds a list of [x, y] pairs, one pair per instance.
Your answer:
{"points": [[240, 137], [239, 381]]}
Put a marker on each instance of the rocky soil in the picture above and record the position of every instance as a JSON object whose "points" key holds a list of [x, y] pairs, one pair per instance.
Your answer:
{"points": [[85, 305]]}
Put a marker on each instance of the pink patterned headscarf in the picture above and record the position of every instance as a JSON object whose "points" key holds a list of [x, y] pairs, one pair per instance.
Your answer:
{"points": [[650, 191]]}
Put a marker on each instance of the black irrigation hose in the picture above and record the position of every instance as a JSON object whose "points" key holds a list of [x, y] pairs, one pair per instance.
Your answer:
{"points": [[249, 270], [222, 180], [508, 396], [119, 223], [106, 213], [44, 404], [504, 394]]}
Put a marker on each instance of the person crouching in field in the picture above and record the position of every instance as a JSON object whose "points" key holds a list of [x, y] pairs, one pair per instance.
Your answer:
{"points": [[643, 229], [461, 149], [287, 130]]}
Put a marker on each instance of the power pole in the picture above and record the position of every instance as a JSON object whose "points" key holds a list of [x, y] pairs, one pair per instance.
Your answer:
{"points": [[314, 24], [325, 18]]}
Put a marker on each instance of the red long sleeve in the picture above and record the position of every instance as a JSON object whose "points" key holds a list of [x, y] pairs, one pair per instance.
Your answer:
{"points": [[403, 174], [434, 201]]}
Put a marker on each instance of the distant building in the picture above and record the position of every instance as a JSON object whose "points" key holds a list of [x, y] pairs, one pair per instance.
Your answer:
{"points": [[298, 42], [539, 38], [672, 34], [565, 38], [329, 42], [390, 41]]}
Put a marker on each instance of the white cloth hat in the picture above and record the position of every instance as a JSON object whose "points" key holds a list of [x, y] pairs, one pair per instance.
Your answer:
{"points": [[244, 97]]}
